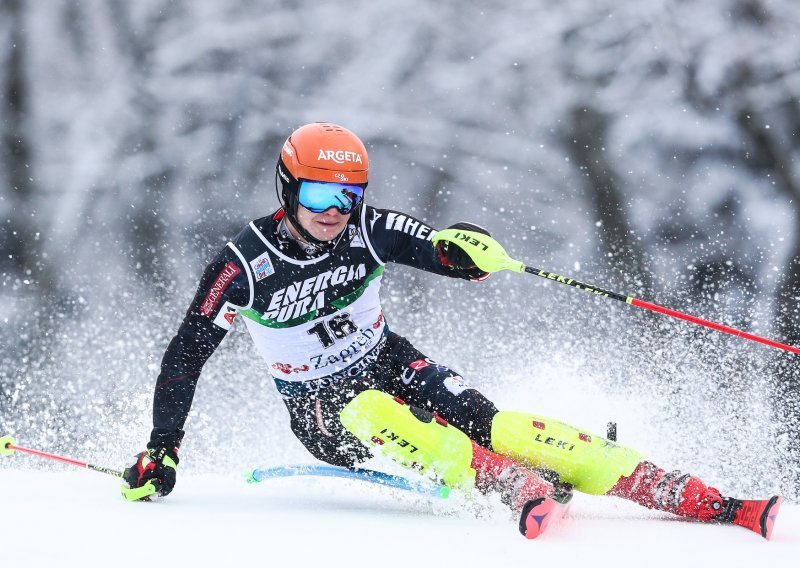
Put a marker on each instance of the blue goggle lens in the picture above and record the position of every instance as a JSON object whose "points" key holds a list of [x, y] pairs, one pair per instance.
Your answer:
{"points": [[317, 196]]}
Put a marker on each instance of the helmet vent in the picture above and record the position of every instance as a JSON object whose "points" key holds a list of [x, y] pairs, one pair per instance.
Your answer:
{"points": [[331, 127]]}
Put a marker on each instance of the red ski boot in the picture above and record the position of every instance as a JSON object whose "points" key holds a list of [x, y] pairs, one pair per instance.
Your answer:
{"points": [[539, 501], [687, 496], [516, 483]]}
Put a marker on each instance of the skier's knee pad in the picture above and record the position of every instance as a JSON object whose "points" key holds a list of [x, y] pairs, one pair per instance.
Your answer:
{"points": [[592, 464], [412, 437]]}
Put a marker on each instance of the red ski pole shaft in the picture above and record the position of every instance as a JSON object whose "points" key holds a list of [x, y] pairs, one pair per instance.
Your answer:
{"points": [[718, 326], [490, 256], [660, 309], [10, 446]]}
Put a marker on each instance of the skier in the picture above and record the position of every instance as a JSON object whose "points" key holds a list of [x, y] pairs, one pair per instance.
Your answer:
{"points": [[306, 281]]}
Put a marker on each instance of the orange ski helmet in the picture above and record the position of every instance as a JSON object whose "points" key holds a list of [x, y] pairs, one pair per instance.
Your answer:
{"points": [[321, 152]]}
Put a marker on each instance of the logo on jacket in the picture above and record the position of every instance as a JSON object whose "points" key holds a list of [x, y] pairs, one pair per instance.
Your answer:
{"points": [[409, 225], [355, 237], [223, 279], [226, 316], [262, 267], [375, 217], [299, 298], [287, 369]]}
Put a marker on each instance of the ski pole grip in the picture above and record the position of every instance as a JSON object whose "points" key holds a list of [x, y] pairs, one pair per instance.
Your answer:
{"points": [[485, 252], [143, 493]]}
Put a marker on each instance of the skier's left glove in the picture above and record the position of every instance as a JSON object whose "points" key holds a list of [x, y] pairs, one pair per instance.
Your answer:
{"points": [[454, 257], [153, 472]]}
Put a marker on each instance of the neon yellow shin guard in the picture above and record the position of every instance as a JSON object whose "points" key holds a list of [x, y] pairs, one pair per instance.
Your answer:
{"points": [[412, 438], [590, 463]]}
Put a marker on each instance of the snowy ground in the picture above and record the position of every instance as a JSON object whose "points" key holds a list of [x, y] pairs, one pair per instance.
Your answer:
{"points": [[51, 513], [77, 517]]}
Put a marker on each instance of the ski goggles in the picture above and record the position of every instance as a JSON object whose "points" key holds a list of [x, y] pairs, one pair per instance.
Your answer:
{"points": [[318, 196]]}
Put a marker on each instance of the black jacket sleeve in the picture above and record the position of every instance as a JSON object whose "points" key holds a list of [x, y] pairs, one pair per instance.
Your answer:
{"points": [[400, 238], [223, 287]]}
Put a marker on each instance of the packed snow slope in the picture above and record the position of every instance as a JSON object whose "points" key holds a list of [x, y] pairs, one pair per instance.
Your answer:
{"points": [[78, 518], [53, 513]]}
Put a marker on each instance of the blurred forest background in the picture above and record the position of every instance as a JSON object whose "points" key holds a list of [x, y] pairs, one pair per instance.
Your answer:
{"points": [[648, 147]]}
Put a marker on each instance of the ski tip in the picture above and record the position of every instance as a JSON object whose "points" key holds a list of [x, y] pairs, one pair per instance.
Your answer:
{"points": [[7, 445], [535, 516], [767, 520]]}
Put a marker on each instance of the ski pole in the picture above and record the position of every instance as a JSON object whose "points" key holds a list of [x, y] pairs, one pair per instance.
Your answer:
{"points": [[490, 256], [8, 446]]}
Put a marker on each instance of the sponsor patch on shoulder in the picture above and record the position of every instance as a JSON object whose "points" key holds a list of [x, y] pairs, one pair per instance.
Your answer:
{"points": [[226, 316], [262, 267], [225, 276]]}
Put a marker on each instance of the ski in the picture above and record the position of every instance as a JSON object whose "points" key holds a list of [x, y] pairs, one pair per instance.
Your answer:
{"points": [[361, 474], [758, 516], [539, 514]]}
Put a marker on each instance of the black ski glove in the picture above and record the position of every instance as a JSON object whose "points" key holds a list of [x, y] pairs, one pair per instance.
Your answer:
{"points": [[456, 258], [157, 464]]}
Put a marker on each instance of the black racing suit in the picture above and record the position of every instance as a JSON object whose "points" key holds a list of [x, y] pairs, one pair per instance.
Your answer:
{"points": [[318, 323]]}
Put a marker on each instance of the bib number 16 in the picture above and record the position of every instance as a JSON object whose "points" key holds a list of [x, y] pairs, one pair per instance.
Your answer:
{"points": [[338, 327]]}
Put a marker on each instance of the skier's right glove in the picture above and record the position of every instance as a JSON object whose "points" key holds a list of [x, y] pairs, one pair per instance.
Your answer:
{"points": [[457, 259], [153, 472]]}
